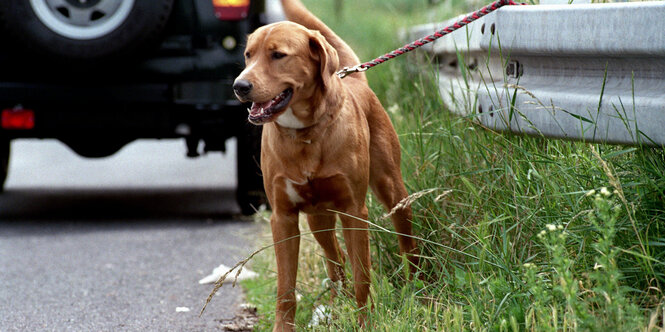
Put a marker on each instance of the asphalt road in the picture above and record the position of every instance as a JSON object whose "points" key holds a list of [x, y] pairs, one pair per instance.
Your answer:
{"points": [[117, 244]]}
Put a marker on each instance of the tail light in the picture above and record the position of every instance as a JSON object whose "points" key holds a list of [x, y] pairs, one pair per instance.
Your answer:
{"points": [[18, 118], [231, 10]]}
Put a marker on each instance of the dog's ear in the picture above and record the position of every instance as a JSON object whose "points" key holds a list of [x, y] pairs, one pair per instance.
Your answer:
{"points": [[326, 55]]}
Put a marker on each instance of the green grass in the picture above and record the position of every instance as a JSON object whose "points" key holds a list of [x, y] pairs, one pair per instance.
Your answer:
{"points": [[519, 242]]}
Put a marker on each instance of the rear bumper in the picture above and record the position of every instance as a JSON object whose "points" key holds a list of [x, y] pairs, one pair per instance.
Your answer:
{"points": [[147, 110]]}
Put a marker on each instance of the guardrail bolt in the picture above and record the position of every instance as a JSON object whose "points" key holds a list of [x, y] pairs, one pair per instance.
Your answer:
{"points": [[514, 69]]}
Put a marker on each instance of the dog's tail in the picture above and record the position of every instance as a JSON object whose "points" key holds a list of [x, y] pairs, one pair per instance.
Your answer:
{"points": [[297, 12]]}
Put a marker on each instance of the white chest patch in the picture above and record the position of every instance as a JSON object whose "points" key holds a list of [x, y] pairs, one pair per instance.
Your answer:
{"points": [[289, 120], [294, 197]]}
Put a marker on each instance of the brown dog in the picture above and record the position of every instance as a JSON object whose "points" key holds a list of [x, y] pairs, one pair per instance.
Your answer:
{"points": [[325, 140]]}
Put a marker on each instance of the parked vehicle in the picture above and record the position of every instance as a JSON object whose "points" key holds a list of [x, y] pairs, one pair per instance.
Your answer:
{"points": [[98, 74]]}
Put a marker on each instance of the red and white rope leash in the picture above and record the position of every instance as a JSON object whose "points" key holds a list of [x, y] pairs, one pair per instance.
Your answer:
{"points": [[427, 39]]}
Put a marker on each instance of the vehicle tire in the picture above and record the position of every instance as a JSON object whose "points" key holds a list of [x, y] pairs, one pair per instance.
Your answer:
{"points": [[250, 194], [5, 147], [84, 29]]}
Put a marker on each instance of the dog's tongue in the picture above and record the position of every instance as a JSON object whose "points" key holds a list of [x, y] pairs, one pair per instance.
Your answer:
{"points": [[258, 108]]}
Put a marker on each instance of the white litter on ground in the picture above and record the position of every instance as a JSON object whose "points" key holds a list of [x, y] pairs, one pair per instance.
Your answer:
{"points": [[321, 315], [182, 309], [219, 271]]}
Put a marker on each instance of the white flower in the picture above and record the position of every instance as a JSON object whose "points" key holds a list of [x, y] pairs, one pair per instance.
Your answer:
{"points": [[605, 192], [551, 227]]}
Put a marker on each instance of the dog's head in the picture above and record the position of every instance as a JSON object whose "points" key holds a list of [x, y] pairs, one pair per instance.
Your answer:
{"points": [[288, 67]]}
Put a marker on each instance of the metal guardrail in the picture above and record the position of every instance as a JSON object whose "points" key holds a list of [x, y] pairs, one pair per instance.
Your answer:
{"points": [[593, 72]]}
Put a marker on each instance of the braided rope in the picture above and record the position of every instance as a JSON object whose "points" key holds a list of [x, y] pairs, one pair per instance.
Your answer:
{"points": [[427, 39]]}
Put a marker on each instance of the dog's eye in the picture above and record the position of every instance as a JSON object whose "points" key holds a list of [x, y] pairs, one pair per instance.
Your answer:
{"points": [[278, 55], [247, 55]]}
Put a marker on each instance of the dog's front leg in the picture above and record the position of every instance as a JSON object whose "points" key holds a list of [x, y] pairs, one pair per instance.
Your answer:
{"points": [[286, 236], [356, 236]]}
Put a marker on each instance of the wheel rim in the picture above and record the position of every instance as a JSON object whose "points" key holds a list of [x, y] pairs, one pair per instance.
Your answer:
{"points": [[82, 19]]}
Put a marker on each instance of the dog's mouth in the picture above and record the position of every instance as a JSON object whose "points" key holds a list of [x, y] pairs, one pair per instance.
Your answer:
{"points": [[261, 113]]}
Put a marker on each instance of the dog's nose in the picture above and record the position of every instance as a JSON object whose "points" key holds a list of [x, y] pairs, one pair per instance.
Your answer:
{"points": [[242, 87]]}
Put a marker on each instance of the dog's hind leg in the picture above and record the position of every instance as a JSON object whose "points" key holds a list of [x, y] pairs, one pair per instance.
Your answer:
{"points": [[386, 180], [390, 190]]}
